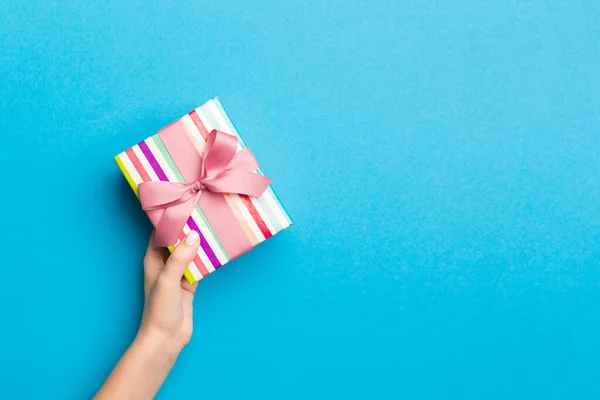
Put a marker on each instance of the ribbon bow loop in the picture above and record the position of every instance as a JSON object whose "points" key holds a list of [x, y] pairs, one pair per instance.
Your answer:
{"points": [[223, 169]]}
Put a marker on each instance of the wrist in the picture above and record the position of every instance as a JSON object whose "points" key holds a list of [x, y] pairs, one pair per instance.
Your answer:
{"points": [[158, 343]]}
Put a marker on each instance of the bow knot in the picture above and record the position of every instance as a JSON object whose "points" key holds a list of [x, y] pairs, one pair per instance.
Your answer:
{"points": [[223, 169], [198, 186]]}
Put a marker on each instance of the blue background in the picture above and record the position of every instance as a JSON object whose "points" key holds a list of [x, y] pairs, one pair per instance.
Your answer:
{"points": [[440, 161]]}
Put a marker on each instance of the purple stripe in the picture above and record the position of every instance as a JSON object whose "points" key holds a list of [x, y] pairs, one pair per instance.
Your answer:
{"points": [[191, 223], [150, 157], [205, 246]]}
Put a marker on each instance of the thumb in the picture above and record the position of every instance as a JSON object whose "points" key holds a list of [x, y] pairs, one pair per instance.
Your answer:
{"points": [[181, 257]]}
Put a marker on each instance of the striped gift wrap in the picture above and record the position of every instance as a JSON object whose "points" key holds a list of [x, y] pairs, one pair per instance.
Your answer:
{"points": [[259, 218]]}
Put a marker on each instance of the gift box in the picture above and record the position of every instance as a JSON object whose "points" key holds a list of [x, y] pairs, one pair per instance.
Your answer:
{"points": [[197, 174]]}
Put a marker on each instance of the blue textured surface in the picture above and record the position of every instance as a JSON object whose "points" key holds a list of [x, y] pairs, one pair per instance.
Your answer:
{"points": [[440, 160]]}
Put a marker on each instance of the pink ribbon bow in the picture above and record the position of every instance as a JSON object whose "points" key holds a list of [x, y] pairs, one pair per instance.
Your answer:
{"points": [[222, 170]]}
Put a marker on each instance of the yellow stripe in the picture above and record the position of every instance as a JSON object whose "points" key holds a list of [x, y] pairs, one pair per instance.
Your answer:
{"points": [[127, 176], [189, 276]]}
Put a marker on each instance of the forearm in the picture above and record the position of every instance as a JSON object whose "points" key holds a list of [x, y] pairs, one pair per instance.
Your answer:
{"points": [[166, 324], [142, 369]]}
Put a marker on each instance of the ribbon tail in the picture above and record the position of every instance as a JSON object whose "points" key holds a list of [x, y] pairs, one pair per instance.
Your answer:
{"points": [[172, 222]]}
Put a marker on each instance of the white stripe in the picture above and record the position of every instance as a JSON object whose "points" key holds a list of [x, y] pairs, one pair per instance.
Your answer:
{"points": [[140, 155], [261, 212], [195, 271], [189, 125], [210, 110], [213, 110], [201, 255], [193, 268], [205, 118], [161, 160], [274, 206], [200, 112], [130, 168], [212, 241], [247, 217]]}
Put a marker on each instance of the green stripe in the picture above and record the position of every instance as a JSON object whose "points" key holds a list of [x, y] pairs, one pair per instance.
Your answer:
{"points": [[165, 153], [163, 150]]}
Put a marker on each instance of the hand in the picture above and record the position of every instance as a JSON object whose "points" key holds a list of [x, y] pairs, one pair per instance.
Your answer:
{"points": [[166, 324], [168, 295]]}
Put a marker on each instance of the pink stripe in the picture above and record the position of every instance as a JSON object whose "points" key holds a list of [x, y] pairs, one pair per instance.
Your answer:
{"points": [[201, 128], [138, 165], [197, 261]]}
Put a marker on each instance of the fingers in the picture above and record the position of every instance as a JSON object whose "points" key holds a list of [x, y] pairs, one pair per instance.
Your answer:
{"points": [[154, 260], [181, 257]]}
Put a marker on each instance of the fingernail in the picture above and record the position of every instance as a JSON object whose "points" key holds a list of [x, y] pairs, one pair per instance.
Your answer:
{"points": [[192, 238]]}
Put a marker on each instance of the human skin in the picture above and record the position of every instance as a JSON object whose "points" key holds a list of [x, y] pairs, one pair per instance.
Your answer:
{"points": [[166, 326]]}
